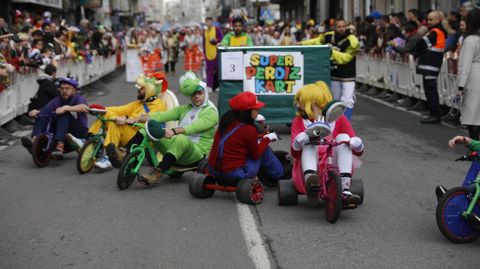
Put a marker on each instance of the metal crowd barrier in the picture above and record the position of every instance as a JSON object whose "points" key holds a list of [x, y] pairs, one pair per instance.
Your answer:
{"points": [[15, 99], [400, 77]]}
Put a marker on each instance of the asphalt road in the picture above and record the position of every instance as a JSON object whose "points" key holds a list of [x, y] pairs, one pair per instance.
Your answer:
{"points": [[55, 218]]}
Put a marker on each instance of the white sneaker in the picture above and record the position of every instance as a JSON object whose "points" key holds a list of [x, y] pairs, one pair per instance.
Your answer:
{"points": [[347, 193], [75, 141], [103, 163]]}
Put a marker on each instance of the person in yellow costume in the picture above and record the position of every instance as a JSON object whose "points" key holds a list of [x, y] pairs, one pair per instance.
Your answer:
{"points": [[237, 38], [118, 133], [344, 47]]}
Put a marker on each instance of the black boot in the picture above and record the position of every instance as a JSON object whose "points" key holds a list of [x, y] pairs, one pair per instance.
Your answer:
{"points": [[432, 119]]}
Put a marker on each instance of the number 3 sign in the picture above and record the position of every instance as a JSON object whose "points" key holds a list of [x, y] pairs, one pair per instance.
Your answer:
{"points": [[232, 65]]}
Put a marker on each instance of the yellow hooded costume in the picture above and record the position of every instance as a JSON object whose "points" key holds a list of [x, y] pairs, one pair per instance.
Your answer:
{"points": [[121, 134]]}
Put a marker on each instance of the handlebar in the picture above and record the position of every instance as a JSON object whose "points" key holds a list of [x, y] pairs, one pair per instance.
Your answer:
{"points": [[471, 156], [136, 124], [317, 141]]}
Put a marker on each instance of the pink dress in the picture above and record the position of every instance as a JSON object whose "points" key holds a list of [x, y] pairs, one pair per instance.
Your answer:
{"points": [[340, 126]]}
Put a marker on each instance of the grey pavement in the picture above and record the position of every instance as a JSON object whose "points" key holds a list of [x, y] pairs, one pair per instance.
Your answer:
{"points": [[55, 218]]}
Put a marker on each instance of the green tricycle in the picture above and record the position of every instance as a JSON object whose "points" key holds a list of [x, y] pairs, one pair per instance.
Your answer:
{"points": [[90, 151], [129, 170]]}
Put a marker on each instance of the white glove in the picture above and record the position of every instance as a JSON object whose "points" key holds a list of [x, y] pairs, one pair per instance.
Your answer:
{"points": [[300, 140], [271, 136], [356, 144]]}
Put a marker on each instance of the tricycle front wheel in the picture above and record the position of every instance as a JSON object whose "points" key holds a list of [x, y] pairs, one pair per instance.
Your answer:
{"points": [[86, 157], [333, 201], [449, 216], [127, 173]]}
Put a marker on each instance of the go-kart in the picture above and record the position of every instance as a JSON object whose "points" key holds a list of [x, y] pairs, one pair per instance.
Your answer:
{"points": [[248, 191]]}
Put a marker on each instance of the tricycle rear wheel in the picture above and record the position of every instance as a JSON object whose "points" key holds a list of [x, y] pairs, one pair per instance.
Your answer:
{"points": [[250, 191], [356, 187], [287, 193], [40, 151], [197, 186]]}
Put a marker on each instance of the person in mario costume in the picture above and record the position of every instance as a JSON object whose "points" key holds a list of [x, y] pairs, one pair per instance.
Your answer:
{"points": [[237, 152]]}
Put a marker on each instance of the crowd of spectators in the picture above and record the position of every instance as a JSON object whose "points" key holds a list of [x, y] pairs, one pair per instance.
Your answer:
{"points": [[396, 35], [35, 41]]}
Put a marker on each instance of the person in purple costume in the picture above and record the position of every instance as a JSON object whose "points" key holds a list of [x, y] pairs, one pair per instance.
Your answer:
{"points": [[69, 114], [211, 37]]}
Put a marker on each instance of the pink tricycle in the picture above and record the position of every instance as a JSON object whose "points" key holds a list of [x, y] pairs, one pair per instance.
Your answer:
{"points": [[330, 190]]}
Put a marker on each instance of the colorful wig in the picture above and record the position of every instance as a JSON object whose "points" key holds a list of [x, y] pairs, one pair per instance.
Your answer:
{"points": [[317, 93]]}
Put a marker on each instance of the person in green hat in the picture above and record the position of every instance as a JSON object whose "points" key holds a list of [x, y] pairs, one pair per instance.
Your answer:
{"points": [[192, 140]]}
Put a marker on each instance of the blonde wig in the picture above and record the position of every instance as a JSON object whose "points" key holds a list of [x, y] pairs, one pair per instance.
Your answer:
{"points": [[313, 94]]}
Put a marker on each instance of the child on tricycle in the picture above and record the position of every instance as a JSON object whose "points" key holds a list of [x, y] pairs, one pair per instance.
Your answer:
{"points": [[458, 209], [311, 102]]}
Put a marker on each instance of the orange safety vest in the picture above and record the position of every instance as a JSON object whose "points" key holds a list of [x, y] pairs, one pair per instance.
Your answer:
{"points": [[441, 41]]}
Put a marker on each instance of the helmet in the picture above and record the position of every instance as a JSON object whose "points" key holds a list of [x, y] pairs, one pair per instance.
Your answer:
{"points": [[152, 86], [190, 83], [70, 81]]}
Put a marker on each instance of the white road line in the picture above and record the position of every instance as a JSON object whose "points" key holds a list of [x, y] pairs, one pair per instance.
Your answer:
{"points": [[255, 245]]}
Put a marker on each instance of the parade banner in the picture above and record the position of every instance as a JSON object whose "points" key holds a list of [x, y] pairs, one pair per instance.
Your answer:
{"points": [[275, 73]]}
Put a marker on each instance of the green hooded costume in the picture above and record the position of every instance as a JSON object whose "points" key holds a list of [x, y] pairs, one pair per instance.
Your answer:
{"points": [[199, 122]]}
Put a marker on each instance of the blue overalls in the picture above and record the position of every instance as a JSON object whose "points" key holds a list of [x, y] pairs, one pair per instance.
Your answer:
{"points": [[268, 162]]}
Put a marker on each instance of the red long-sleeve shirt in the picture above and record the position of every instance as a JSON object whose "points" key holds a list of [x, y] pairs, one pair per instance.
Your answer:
{"points": [[243, 144]]}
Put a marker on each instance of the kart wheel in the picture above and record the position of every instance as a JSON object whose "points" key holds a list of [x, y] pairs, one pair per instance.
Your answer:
{"points": [[86, 157], [197, 186], [287, 193], [333, 201], [356, 187], [202, 166], [126, 175], [449, 216], [287, 168], [250, 191], [40, 151]]}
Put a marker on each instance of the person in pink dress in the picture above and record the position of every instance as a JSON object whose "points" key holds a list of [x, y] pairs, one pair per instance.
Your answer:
{"points": [[310, 101]]}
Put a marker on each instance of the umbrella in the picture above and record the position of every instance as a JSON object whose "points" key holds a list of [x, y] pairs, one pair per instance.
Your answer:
{"points": [[177, 26], [165, 27], [376, 14], [156, 26]]}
